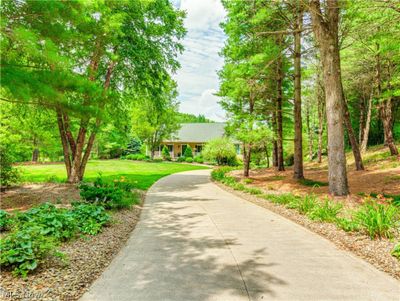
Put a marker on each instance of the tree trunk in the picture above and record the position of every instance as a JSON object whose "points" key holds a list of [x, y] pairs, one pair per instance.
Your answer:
{"points": [[298, 172], [385, 110], [321, 115], [35, 152], [279, 99], [352, 138], [365, 131], [309, 133], [246, 160], [274, 142], [325, 26], [35, 155], [385, 107], [361, 121], [267, 154]]}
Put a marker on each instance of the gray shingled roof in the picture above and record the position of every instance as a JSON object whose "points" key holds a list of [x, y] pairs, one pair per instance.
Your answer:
{"points": [[198, 132]]}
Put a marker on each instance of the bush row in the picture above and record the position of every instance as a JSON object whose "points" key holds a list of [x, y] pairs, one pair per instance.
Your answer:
{"points": [[111, 195], [375, 219]]}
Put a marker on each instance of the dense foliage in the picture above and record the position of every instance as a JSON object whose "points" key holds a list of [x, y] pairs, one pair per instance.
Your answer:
{"points": [[80, 67], [221, 151], [281, 96]]}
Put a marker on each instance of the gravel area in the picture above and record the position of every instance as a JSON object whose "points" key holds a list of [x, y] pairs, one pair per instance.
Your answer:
{"points": [[376, 252], [87, 258]]}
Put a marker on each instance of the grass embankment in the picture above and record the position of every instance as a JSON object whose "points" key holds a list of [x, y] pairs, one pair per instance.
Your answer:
{"points": [[141, 174]]}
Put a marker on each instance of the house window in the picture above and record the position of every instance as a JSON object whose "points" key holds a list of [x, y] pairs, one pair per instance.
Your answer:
{"points": [[198, 148], [170, 147]]}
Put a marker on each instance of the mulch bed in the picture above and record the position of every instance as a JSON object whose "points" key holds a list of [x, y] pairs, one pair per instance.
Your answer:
{"points": [[87, 258], [28, 195], [376, 252]]}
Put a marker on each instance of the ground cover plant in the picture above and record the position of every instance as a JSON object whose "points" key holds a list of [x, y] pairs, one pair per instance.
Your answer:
{"points": [[140, 174], [374, 217], [36, 233]]}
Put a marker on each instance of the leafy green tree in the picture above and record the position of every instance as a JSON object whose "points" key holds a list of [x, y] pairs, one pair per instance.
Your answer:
{"points": [[154, 119], [190, 118], [81, 59], [220, 150]]}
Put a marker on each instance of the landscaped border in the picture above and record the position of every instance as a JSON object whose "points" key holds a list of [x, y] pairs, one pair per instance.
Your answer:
{"points": [[376, 252], [88, 258]]}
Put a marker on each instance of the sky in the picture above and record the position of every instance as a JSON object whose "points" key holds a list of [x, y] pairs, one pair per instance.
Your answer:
{"points": [[197, 79]]}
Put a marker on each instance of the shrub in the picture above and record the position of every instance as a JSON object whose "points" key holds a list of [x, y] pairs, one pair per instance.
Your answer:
{"points": [[132, 156], [157, 160], [199, 159], [113, 195], [105, 196], [23, 250], [304, 204], [219, 173], [188, 152], [8, 175], [283, 199], [289, 160], [347, 225], [89, 218], [396, 251], [136, 157], [55, 222], [326, 212], [378, 220], [189, 160], [165, 153], [220, 150], [181, 159], [252, 190], [5, 220]]}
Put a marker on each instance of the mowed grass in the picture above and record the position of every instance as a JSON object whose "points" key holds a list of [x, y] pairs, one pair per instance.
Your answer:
{"points": [[141, 174]]}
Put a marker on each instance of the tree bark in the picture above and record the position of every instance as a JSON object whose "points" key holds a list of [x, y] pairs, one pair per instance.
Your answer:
{"points": [[274, 142], [325, 26], [361, 120], [385, 107], [321, 114], [365, 131], [35, 155], [352, 138], [246, 160], [309, 133], [298, 172], [385, 111], [279, 99]]}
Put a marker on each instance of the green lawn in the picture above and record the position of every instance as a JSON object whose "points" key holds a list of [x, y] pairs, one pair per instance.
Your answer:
{"points": [[142, 174]]}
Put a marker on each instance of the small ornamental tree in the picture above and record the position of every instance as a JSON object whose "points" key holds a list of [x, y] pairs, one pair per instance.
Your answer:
{"points": [[134, 146], [220, 150], [165, 154], [188, 152]]}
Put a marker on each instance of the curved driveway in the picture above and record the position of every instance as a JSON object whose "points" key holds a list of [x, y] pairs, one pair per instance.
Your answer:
{"points": [[196, 241]]}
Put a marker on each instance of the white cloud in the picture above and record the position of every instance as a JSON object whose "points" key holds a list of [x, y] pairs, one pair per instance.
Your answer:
{"points": [[198, 79], [205, 104]]}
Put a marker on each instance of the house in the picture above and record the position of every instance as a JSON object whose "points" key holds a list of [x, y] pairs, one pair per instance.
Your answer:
{"points": [[195, 135]]}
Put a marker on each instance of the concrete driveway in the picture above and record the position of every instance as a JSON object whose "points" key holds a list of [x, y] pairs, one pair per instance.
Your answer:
{"points": [[196, 241]]}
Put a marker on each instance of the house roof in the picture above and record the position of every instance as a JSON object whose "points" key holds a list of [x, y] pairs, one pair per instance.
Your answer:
{"points": [[198, 132]]}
